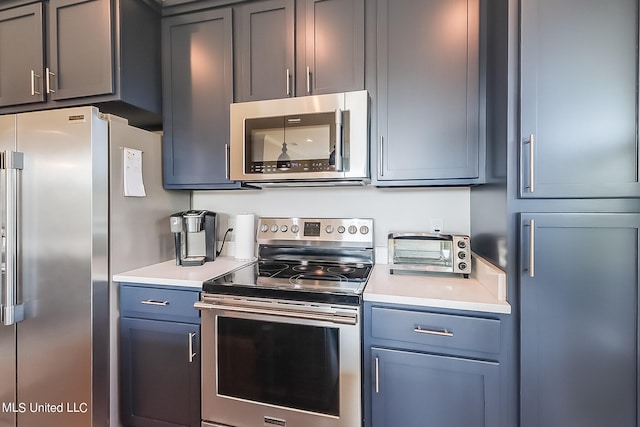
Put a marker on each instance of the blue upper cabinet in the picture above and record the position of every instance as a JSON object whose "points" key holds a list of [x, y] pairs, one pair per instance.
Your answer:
{"points": [[579, 118], [428, 93], [80, 49], [294, 48], [79, 52], [197, 62], [21, 69]]}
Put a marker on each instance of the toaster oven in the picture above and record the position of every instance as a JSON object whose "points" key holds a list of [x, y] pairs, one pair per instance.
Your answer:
{"points": [[431, 252]]}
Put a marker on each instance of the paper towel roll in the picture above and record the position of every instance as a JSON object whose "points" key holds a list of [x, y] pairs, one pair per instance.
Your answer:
{"points": [[245, 237]]}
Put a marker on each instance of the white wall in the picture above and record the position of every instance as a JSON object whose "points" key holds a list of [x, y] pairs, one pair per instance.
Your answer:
{"points": [[393, 209]]}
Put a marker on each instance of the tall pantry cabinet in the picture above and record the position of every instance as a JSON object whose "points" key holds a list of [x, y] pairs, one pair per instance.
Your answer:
{"points": [[562, 215]]}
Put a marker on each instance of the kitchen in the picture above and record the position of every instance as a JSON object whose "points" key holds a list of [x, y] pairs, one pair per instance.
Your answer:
{"points": [[504, 214]]}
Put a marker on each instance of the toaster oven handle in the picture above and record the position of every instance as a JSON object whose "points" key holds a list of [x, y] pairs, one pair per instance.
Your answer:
{"points": [[339, 149], [420, 236]]}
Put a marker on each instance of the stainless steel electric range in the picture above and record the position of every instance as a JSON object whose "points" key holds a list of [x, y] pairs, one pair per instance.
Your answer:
{"points": [[281, 337]]}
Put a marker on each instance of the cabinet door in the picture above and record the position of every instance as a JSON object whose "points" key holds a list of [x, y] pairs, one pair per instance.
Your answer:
{"points": [[22, 47], [197, 60], [579, 76], [160, 373], [80, 48], [334, 47], [423, 390], [579, 329], [266, 50], [428, 90]]}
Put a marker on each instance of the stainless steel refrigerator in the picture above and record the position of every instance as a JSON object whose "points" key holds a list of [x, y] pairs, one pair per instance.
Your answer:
{"points": [[66, 228]]}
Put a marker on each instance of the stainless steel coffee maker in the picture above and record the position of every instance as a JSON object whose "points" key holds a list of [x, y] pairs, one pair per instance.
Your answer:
{"points": [[186, 223]]}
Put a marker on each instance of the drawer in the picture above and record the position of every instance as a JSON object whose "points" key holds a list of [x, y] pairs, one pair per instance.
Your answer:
{"points": [[161, 304], [433, 329]]}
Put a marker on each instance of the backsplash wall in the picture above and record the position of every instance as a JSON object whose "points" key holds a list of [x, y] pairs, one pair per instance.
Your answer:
{"points": [[393, 209]]}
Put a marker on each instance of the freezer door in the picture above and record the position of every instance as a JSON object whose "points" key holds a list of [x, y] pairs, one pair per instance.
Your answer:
{"points": [[7, 333], [63, 266]]}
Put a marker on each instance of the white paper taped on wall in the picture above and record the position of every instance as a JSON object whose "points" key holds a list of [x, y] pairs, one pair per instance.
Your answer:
{"points": [[133, 182]]}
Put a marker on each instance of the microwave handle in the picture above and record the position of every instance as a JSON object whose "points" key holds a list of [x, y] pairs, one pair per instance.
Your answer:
{"points": [[339, 145]]}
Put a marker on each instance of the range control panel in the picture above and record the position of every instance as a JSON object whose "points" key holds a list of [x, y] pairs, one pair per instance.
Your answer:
{"points": [[344, 230]]}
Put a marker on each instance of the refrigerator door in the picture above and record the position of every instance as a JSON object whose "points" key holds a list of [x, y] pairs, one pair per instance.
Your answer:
{"points": [[63, 267], [7, 333]]}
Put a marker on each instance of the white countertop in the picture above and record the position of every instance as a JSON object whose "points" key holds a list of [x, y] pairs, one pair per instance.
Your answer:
{"points": [[484, 291], [170, 274]]}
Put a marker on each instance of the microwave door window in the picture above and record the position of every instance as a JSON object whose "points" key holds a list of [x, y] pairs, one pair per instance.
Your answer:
{"points": [[264, 144], [310, 140]]}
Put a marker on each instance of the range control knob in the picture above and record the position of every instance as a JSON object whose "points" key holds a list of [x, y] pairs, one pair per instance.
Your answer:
{"points": [[341, 229], [329, 229], [462, 255], [295, 228], [284, 228], [274, 228], [264, 228], [364, 229], [353, 229]]}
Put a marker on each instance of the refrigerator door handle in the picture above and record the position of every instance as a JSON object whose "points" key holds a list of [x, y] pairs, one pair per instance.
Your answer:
{"points": [[12, 311]]}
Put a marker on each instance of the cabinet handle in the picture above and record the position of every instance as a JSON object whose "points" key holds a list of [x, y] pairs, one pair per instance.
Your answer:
{"points": [[532, 247], [34, 92], [442, 333], [153, 302], [381, 157], [531, 163], [49, 74], [191, 352], [377, 379], [226, 161], [308, 81], [288, 82]]}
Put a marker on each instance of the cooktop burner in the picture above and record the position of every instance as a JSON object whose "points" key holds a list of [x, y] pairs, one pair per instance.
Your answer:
{"points": [[313, 269]]}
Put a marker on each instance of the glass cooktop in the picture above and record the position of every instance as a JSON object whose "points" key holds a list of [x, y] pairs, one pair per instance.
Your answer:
{"points": [[295, 279]]}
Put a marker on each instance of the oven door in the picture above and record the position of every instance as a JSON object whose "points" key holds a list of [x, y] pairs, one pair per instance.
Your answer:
{"points": [[279, 363]]}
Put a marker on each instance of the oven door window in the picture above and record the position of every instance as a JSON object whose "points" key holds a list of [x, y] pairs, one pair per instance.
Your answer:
{"points": [[282, 144], [282, 364]]}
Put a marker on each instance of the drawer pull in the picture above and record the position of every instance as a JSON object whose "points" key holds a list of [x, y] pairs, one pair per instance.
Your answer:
{"points": [[442, 333], [152, 302]]}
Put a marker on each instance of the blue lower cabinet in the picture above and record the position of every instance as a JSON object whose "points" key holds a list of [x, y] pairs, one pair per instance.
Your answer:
{"points": [[420, 389], [159, 363], [432, 369]]}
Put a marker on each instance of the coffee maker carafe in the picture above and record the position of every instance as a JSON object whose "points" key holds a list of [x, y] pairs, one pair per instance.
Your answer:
{"points": [[184, 224]]}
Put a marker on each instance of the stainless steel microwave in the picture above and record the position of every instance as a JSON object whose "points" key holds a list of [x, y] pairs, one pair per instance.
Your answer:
{"points": [[310, 139]]}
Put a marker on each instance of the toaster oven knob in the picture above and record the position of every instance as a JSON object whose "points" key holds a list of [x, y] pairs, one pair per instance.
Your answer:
{"points": [[462, 255], [462, 244], [341, 229], [352, 229], [462, 266]]}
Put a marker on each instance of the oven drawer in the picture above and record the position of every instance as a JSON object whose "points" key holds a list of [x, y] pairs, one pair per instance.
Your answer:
{"points": [[433, 329], [161, 304]]}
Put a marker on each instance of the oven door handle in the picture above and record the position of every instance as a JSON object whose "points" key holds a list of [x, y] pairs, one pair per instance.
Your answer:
{"points": [[334, 317]]}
